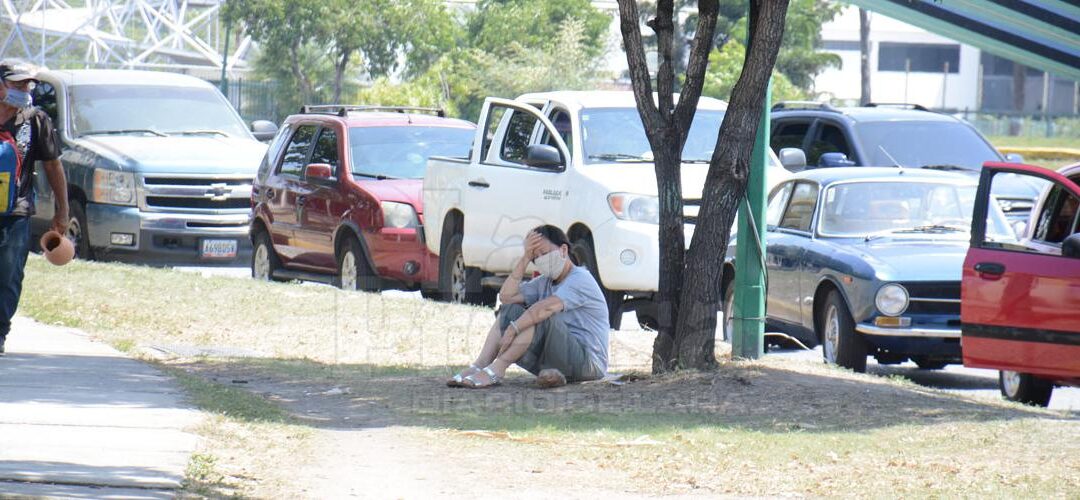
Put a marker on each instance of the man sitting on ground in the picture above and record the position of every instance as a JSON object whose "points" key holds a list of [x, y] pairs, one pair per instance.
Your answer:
{"points": [[556, 323]]}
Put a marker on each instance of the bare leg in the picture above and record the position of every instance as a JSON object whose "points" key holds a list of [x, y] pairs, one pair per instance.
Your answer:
{"points": [[514, 352], [491, 346]]}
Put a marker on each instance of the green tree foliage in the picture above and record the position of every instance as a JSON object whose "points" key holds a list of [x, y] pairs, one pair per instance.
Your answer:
{"points": [[725, 65], [534, 24]]}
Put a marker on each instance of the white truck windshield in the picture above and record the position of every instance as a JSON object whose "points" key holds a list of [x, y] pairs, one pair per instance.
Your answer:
{"points": [[617, 134]]}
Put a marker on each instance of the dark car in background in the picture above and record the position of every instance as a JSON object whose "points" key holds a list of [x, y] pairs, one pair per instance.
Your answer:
{"points": [[867, 261], [883, 135], [338, 196]]}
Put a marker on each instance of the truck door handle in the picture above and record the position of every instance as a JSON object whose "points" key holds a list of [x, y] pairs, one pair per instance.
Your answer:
{"points": [[479, 184], [990, 268]]}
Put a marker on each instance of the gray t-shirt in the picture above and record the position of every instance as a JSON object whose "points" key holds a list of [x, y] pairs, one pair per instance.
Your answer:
{"points": [[584, 310]]}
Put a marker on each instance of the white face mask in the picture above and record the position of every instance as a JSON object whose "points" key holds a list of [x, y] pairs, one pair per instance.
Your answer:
{"points": [[550, 264]]}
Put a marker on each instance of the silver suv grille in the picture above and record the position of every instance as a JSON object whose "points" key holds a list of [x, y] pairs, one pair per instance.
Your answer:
{"points": [[195, 194]]}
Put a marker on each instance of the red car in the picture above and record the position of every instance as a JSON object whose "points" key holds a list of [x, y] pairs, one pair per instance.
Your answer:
{"points": [[338, 196], [1020, 299]]}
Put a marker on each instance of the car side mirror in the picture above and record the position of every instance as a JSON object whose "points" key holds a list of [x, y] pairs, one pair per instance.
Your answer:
{"points": [[319, 172], [793, 159], [542, 156], [1014, 158], [835, 159], [263, 130], [1071, 246]]}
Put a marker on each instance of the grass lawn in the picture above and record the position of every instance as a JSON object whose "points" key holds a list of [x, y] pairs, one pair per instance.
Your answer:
{"points": [[765, 428], [1036, 141]]}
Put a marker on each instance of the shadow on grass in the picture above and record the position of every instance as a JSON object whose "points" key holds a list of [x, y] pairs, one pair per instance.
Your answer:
{"points": [[754, 397]]}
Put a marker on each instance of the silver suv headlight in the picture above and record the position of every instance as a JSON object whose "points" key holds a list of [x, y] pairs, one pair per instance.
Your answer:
{"points": [[635, 207], [891, 299], [117, 188], [399, 215]]}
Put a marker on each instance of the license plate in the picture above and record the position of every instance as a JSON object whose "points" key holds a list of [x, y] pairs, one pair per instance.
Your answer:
{"points": [[218, 249]]}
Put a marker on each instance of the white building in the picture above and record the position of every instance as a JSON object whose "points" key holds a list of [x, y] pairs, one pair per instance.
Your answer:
{"points": [[911, 65]]}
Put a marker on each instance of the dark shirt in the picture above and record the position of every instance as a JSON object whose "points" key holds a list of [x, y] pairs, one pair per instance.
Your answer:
{"points": [[37, 140]]}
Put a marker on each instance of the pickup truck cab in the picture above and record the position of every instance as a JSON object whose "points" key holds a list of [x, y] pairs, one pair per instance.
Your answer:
{"points": [[1020, 304], [159, 166], [577, 160], [337, 198]]}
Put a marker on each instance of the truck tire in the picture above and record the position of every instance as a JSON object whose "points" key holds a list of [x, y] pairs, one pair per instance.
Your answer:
{"points": [[77, 230], [354, 273], [928, 363], [841, 344], [458, 283], [1025, 388], [582, 250], [264, 260]]}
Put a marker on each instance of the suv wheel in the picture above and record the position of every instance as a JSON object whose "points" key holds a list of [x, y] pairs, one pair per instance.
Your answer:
{"points": [[841, 344], [1025, 388], [264, 261], [76, 231], [353, 270], [583, 252], [458, 283]]}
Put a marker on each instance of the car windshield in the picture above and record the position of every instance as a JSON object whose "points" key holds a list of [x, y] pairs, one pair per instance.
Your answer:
{"points": [[616, 134], [153, 110], [923, 143], [403, 152], [862, 209]]}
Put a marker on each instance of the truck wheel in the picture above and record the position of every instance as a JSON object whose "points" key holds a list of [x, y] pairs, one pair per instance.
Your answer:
{"points": [[1025, 388], [583, 252], [77, 230], [354, 273], [841, 344], [264, 261], [458, 283]]}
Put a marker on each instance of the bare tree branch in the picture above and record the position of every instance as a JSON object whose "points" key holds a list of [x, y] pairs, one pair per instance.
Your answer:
{"points": [[635, 58], [700, 48], [664, 27]]}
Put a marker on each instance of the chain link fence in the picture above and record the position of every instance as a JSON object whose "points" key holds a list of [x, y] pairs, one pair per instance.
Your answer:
{"points": [[254, 99]]}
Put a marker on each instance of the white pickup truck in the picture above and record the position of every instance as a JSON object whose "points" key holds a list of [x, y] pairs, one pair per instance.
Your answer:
{"points": [[576, 160]]}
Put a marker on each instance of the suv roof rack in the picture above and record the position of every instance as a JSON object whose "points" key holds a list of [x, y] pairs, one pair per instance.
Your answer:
{"points": [[345, 109], [902, 105], [824, 106]]}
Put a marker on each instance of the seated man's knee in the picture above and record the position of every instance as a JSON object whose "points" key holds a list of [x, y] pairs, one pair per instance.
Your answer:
{"points": [[508, 313]]}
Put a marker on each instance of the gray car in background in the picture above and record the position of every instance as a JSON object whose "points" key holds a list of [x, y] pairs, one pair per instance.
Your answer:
{"points": [[159, 166]]}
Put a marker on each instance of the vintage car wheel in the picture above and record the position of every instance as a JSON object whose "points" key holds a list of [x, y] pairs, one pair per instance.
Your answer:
{"points": [[458, 283], [582, 250], [264, 261], [353, 270], [841, 344], [1025, 388], [77, 232]]}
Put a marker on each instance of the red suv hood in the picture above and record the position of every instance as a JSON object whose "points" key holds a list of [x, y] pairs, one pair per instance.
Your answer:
{"points": [[400, 190]]}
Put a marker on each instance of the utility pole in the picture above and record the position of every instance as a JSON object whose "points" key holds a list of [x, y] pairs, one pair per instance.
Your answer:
{"points": [[864, 57], [225, 62]]}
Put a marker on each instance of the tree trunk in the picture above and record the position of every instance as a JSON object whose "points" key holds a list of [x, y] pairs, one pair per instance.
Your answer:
{"points": [[864, 56], [725, 186], [339, 73], [302, 80]]}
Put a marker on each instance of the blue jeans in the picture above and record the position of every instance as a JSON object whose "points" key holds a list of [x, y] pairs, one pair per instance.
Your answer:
{"points": [[14, 247]]}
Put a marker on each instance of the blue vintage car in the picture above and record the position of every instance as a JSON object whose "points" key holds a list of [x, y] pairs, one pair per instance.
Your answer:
{"points": [[867, 261]]}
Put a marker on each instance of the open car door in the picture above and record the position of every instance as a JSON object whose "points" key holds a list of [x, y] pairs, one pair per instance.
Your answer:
{"points": [[1020, 299]]}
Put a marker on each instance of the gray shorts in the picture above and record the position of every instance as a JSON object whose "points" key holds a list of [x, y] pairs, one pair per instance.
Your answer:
{"points": [[552, 346]]}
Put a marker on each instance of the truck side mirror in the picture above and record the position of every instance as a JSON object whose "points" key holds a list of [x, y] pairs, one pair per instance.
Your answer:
{"points": [[1071, 246], [318, 172], [263, 130], [542, 156], [793, 159], [835, 159]]}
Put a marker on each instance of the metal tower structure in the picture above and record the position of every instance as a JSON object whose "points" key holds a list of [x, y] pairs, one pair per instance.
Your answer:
{"points": [[146, 34]]}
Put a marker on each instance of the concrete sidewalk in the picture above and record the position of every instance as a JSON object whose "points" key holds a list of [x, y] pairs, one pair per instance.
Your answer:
{"points": [[78, 419]]}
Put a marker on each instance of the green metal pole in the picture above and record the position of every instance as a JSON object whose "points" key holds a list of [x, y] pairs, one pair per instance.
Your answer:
{"points": [[225, 62], [748, 341]]}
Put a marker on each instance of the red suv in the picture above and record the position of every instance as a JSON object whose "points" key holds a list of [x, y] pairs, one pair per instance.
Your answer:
{"points": [[338, 196], [1020, 298]]}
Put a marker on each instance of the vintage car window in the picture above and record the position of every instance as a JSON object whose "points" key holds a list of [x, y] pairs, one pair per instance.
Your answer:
{"points": [[800, 212], [830, 140], [789, 134], [296, 152], [1058, 218], [517, 136], [777, 203], [326, 149], [403, 152]]}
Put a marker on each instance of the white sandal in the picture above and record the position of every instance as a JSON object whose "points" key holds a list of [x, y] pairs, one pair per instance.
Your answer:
{"points": [[459, 379], [493, 380]]}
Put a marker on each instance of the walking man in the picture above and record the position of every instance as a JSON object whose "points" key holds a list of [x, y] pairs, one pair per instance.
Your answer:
{"points": [[27, 136]]}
